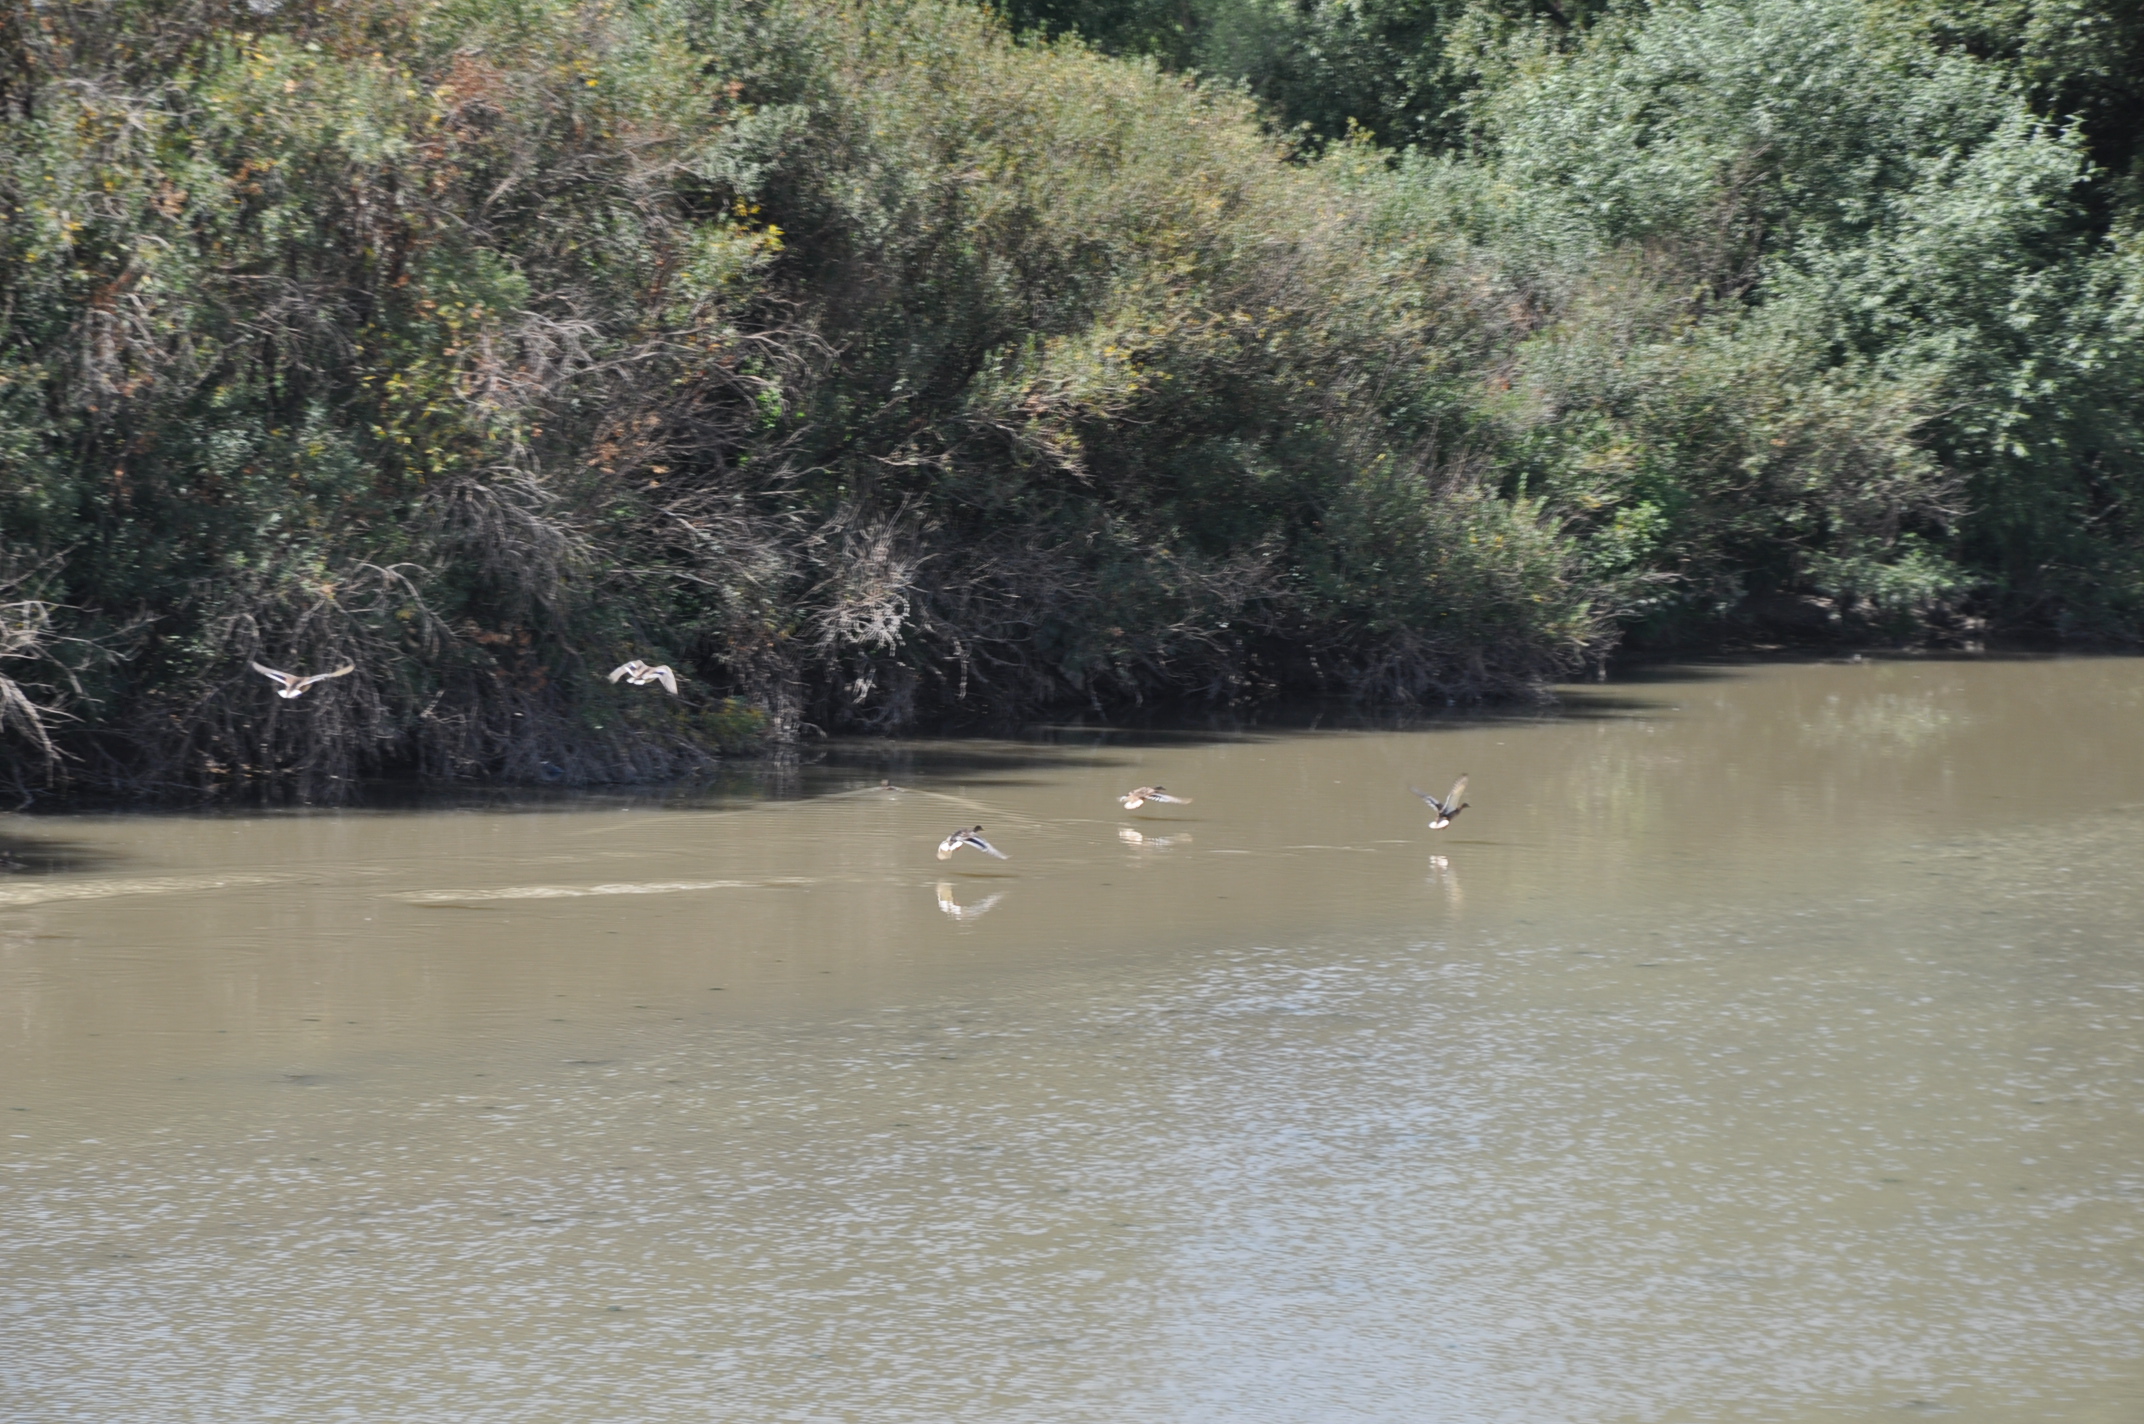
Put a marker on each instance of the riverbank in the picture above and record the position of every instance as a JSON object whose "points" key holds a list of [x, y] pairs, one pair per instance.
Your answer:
{"points": [[751, 768]]}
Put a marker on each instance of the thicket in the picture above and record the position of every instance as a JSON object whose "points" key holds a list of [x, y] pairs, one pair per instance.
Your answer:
{"points": [[875, 369], [1822, 314], [856, 361]]}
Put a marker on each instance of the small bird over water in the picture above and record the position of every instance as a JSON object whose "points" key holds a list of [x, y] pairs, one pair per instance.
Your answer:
{"points": [[1447, 809], [1133, 800], [969, 836], [289, 684], [640, 674]]}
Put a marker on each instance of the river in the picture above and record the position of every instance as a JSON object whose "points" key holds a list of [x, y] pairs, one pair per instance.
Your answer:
{"points": [[1764, 1043]]}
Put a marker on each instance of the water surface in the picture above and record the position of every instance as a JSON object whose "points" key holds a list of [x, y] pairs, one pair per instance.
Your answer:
{"points": [[1765, 1043]]}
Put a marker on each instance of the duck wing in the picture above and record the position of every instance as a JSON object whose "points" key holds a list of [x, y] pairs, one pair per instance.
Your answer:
{"points": [[282, 679], [626, 669], [667, 678], [1459, 789], [1172, 800]]}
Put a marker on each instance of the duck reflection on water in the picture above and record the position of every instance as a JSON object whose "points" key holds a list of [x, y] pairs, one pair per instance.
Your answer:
{"points": [[958, 911], [1446, 879]]}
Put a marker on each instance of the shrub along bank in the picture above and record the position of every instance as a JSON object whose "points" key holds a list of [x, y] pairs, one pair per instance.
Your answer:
{"points": [[875, 370]]}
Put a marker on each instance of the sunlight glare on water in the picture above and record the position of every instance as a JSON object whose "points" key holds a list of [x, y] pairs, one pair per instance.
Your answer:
{"points": [[1764, 1043]]}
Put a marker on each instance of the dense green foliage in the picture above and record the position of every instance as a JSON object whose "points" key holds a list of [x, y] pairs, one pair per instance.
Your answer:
{"points": [[856, 361], [1820, 310], [1401, 70], [872, 367], [1826, 310]]}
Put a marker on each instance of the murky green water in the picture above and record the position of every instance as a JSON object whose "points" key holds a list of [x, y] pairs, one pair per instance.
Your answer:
{"points": [[1763, 1044]]}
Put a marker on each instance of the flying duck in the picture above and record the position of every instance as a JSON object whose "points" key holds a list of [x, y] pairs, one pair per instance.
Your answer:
{"points": [[968, 836], [639, 674], [1449, 808], [289, 684], [1133, 800]]}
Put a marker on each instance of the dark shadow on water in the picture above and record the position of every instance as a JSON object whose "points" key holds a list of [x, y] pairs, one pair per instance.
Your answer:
{"points": [[1008, 757], [27, 855], [1717, 669], [1012, 755], [1644, 670]]}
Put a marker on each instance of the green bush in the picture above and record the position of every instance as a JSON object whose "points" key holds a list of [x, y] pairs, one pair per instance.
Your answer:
{"points": [[1794, 303], [1805, 305], [873, 367], [858, 362]]}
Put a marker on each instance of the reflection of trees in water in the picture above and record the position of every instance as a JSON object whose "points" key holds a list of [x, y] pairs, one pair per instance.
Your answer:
{"points": [[1901, 719], [35, 855]]}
